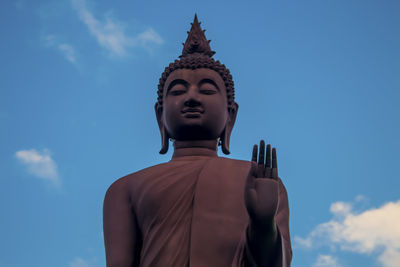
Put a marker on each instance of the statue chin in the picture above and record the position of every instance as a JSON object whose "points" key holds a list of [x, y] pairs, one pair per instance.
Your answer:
{"points": [[193, 133]]}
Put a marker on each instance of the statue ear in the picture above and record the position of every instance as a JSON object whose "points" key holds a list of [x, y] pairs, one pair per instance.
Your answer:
{"points": [[163, 131], [226, 134]]}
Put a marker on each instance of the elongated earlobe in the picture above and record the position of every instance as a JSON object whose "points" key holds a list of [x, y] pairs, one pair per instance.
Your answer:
{"points": [[164, 140], [225, 142], [226, 134], [163, 131]]}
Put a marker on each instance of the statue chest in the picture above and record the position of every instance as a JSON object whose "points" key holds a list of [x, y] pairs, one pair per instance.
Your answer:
{"points": [[196, 208]]}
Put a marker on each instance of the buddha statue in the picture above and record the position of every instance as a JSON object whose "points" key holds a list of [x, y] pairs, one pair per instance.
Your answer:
{"points": [[198, 209]]}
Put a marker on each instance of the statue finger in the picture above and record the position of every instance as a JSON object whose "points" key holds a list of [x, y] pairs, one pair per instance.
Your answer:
{"points": [[254, 156], [268, 172], [268, 161], [261, 161], [274, 164], [274, 161], [261, 156], [250, 183]]}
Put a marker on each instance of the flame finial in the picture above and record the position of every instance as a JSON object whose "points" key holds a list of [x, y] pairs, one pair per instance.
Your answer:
{"points": [[196, 42]]}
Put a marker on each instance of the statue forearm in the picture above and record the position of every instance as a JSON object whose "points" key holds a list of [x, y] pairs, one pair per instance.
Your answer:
{"points": [[266, 202], [264, 243]]}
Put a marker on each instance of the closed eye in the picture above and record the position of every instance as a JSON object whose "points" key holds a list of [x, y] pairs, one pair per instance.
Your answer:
{"points": [[208, 87], [177, 87], [176, 92], [208, 92]]}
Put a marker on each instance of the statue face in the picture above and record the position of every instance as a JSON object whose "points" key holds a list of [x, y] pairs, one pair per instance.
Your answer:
{"points": [[194, 104]]}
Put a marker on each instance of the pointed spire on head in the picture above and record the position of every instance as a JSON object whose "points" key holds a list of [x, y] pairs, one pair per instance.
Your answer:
{"points": [[196, 42]]}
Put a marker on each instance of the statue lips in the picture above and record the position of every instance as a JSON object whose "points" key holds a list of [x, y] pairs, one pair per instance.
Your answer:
{"points": [[192, 112]]}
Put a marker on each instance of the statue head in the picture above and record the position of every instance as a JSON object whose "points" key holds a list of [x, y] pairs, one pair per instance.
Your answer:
{"points": [[196, 95]]}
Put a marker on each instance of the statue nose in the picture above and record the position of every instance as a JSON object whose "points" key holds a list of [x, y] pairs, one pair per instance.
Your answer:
{"points": [[192, 102], [192, 99]]}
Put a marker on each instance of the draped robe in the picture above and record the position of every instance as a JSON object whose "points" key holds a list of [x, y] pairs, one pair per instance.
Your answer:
{"points": [[187, 212]]}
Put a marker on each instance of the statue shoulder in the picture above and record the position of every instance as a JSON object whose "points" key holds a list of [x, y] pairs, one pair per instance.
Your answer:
{"points": [[133, 180]]}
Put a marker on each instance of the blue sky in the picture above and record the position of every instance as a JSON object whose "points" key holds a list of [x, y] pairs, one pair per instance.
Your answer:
{"points": [[320, 80]]}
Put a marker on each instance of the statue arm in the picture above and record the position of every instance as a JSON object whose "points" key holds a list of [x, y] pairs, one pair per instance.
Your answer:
{"points": [[121, 234], [270, 246], [262, 245], [267, 236]]}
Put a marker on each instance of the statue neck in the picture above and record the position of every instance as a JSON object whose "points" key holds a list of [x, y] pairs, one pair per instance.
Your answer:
{"points": [[206, 148]]}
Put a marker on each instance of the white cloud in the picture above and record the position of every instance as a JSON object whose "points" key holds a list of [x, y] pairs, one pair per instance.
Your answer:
{"points": [[66, 49], [40, 164], [79, 262], [110, 34], [149, 36], [68, 52], [374, 230], [361, 198], [340, 208], [326, 261]]}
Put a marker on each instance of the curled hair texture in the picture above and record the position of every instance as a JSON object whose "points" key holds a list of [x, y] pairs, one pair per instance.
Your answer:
{"points": [[197, 61]]}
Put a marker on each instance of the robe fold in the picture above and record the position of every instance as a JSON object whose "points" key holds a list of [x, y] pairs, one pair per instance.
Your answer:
{"points": [[190, 212]]}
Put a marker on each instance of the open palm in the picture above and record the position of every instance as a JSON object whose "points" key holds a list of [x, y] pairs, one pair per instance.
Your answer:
{"points": [[262, 187]]}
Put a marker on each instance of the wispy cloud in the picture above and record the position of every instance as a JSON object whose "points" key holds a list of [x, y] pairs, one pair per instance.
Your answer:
{"points": [[79, 262], [68, 52], [110, 34], [149, 36], [40, 165], [374, 230], [66, 49], [326, 261]]}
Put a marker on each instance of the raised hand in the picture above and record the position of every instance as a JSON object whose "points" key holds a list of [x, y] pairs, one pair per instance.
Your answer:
{"points": [[262, 187]]}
